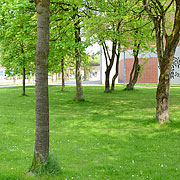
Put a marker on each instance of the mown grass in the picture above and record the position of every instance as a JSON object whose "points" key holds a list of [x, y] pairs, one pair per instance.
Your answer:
{"points": [[109, 136]]}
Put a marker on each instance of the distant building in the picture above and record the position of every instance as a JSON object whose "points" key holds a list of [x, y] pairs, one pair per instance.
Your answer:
{"points": [[2, 73], [150, 73]]}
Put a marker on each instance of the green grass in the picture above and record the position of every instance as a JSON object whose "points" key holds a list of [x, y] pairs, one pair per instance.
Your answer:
{"points": [[109, 136]]}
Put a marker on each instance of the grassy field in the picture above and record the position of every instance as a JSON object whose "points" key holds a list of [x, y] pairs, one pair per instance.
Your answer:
{"points": [[108, 137]]}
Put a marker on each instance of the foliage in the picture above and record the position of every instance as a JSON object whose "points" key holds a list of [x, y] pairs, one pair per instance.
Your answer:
{"points": [[17, 38]]}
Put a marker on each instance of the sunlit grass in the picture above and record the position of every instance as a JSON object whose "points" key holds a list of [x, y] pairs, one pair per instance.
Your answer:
{"points": [[109, 136]]}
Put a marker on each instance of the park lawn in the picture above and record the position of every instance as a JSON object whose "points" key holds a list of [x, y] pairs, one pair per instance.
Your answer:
{"points": [[109, 136]]}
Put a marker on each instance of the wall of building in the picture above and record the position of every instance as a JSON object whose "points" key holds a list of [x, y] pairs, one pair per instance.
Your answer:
{"points": [[151, 71]]}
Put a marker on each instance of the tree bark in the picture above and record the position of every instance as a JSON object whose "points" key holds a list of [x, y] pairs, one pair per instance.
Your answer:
{"points": [[24, 81], [62, 70], [79, 88], [135, 69], [41, 150], [117, 69], [162, 93], [107, 84]]}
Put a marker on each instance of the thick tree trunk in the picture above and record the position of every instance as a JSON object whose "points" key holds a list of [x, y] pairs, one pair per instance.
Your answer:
{"points": [[62, 70], [41, 150], [24, 81], [79, 88], [162, 94], [162, 98]]}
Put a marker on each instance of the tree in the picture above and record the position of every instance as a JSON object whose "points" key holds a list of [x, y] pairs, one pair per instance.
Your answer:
{"points": [[136, 67], [70, 13], [158, 12], [112, 32], [17, 39], [41, 151], [78, 56], [142, 41]]}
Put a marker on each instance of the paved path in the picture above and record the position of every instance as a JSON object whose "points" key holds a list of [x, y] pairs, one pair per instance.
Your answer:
{"points": [[73, 83], [70, 83]]}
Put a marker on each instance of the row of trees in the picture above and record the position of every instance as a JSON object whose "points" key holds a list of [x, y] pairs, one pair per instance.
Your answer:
{"points": [[76, 24]]}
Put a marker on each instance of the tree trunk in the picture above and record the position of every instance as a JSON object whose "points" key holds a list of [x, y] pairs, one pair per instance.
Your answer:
{"points": [[136, 67], [14, 79], [85, 74], [24, 81], [162, 93], [162, 98], [111, 62], [117, 68], [79, 88], [134, 74], [115, 75], [41, 150], [62, 70], [107, 84]]}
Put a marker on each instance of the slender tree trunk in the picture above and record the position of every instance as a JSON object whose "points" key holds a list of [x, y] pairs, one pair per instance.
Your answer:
{"points": [[115, 75], [117, 68], [79, 88], [134, 74], [107, 84], [41, 150], [62, 70], [136, 67], [24, 81], [85, 73], [14, 79]]}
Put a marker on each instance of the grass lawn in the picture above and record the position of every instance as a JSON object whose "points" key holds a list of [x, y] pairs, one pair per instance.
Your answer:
{"points": [[109, 136]]}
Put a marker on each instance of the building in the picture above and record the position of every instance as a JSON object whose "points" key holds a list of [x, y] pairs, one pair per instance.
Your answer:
{"points": [[150, 73]]}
